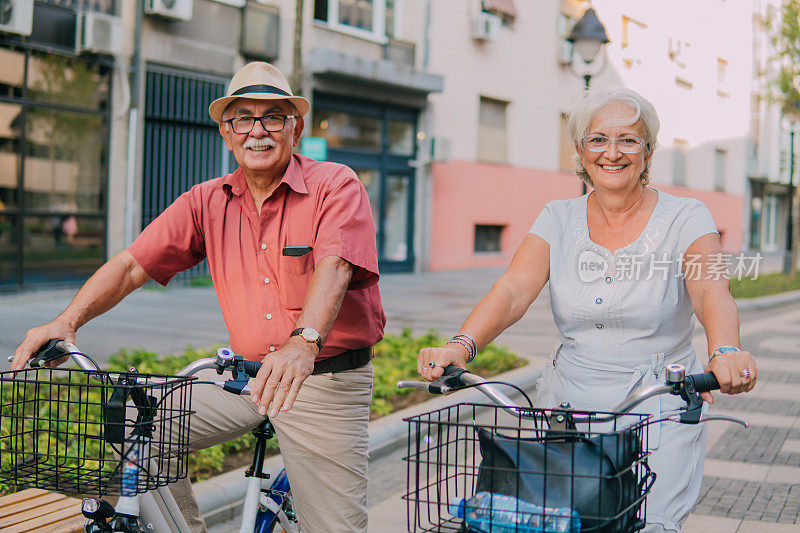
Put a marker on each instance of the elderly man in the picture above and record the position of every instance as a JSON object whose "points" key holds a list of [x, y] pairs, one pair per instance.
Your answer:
{"points": [[290, 243]]}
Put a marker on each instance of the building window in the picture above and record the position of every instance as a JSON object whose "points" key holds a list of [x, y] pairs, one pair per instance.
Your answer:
{"points": [[719, 169], [487, 238], [492, 142], [347, 130], [365, 18], [722, 78], [770, 230], [680, 149], [505, 9]]}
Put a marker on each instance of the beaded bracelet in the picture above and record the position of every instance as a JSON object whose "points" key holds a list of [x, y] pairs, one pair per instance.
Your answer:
{"points": [[466, 344]]}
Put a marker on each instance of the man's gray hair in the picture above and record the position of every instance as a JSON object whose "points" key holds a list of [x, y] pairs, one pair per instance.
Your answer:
{"points": [[590, 105]]}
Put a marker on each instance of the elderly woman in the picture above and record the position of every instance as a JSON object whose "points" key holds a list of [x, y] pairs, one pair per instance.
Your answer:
{"points": [[628, 265]]}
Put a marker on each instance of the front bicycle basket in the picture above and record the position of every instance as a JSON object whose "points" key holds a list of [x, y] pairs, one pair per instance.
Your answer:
{"points": [[93, 433], [595, 475]]}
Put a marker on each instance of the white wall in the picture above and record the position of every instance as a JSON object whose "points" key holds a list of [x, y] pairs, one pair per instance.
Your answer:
{"points": [[521, 66]]}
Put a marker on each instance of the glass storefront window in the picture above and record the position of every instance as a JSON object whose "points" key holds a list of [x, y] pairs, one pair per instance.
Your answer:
{"points": [[62, 247], [64, 161], [67, 81], [395, 244], [346, 130], [8, 250], [401, 137], [12, 73], [9, 154]]}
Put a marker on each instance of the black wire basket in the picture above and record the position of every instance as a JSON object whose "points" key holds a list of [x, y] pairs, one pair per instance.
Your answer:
{"points": [[93, 433], [476, 467]]}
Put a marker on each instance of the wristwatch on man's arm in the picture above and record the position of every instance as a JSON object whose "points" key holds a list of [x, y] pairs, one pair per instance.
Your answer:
{"points": [[309, 335]]}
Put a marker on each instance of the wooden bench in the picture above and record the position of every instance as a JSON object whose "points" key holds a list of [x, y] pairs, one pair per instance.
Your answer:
{"points": [[40, 511]]}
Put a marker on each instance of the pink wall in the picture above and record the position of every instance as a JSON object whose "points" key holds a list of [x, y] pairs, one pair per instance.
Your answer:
{"points": [[466, 193], [727, 210]]}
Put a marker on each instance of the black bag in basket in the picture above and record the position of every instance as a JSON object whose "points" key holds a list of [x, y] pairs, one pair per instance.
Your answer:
{"points": [[592, 476]]}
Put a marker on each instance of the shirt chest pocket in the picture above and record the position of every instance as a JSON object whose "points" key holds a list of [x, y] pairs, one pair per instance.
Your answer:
{"points": [[295, 274]]}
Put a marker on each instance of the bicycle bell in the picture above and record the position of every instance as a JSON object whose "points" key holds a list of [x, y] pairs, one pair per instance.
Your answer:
{"points": [[224, 357], [675, 373]]}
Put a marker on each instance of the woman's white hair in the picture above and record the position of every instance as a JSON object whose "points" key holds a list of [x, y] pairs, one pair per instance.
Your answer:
{"points": [[590, 105]]}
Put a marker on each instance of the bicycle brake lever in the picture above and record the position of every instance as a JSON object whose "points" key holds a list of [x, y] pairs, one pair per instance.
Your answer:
{"points": [[726, 418]]}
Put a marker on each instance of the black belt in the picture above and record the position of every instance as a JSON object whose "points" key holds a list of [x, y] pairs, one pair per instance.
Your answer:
{"points": [[344, 361]]}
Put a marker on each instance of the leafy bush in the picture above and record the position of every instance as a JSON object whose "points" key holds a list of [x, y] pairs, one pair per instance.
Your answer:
{"points": [[396, 359]]}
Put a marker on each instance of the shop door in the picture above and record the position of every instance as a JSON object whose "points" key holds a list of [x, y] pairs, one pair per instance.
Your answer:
{"points": [[378, 142]]}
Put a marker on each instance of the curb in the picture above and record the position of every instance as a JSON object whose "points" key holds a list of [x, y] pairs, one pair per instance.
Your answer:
{"points": [[766, 302], [220, 498]]}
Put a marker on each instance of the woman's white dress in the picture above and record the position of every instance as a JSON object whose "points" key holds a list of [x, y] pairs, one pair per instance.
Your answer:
{"points": [[623, 317]]}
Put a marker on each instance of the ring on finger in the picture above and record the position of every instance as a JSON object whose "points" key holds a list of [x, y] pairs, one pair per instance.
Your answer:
{"points": [[744, 374], [433, 365]]}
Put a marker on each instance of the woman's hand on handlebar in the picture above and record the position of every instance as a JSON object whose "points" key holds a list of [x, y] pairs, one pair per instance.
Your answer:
{"points": [[727, 368], [37, 337], [440, 357]]}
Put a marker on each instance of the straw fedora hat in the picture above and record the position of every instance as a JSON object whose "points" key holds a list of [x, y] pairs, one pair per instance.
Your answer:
{"points": [[261, 81]]}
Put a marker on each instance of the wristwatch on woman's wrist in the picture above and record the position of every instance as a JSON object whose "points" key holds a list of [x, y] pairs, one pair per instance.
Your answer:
{"points": [[721, 350]]}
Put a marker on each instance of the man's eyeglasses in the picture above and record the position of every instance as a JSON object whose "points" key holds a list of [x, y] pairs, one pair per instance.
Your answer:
{"points": [[627, 144], [271, 123]]}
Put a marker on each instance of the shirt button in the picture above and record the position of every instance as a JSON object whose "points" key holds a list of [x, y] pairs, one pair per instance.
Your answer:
{"points": [[599, 326], [269, 317], [263, 246], [271, 348], [266, 280], [598, 301], [608, 280]]}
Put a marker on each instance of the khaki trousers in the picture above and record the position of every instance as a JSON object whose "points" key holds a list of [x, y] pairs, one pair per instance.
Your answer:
{"points": [[324, 444]]}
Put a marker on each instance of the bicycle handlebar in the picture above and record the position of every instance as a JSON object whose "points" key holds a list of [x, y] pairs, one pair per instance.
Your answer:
{"points": [[454, 378], [55, 349]]}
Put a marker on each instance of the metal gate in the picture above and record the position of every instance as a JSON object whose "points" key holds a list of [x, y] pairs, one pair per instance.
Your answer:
{"points": [[182, 146]]}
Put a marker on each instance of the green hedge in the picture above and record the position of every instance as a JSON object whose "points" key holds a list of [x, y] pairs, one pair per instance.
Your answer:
{"points": [[764, 285]]}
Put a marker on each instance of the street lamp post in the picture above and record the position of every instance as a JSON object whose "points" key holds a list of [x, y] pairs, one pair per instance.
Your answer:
{"points": [[588, 37], [790, 121]]}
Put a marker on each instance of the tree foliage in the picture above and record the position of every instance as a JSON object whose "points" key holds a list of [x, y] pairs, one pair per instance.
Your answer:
{"points": [[783, 26]]}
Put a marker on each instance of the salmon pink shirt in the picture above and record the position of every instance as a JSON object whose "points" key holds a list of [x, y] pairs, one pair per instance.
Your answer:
{"points": [[320, 205]]}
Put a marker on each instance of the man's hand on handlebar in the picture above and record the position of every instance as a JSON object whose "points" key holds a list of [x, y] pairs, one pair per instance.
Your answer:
{"points": [[727, 368], [440, 358], [38, 337], [282, 373]]}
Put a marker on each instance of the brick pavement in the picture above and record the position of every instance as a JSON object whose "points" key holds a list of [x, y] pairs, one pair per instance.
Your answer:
{"points": [[752, 476]]}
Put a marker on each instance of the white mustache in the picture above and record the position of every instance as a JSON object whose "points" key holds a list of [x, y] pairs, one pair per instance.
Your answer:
{"points": [[259, 143]]}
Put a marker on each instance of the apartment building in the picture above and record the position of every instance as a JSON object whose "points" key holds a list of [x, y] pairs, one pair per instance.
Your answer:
{"points": [[103, 117], [501, 122], [770, 154]]}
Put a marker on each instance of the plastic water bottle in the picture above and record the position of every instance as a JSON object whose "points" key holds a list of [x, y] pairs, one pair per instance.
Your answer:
{"points": [[488, 512]]}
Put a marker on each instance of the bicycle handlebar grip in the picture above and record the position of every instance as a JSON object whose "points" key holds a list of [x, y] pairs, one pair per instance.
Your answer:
{"points": [[704, 382], [451, 370], [251, 368], [53, 349]]}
